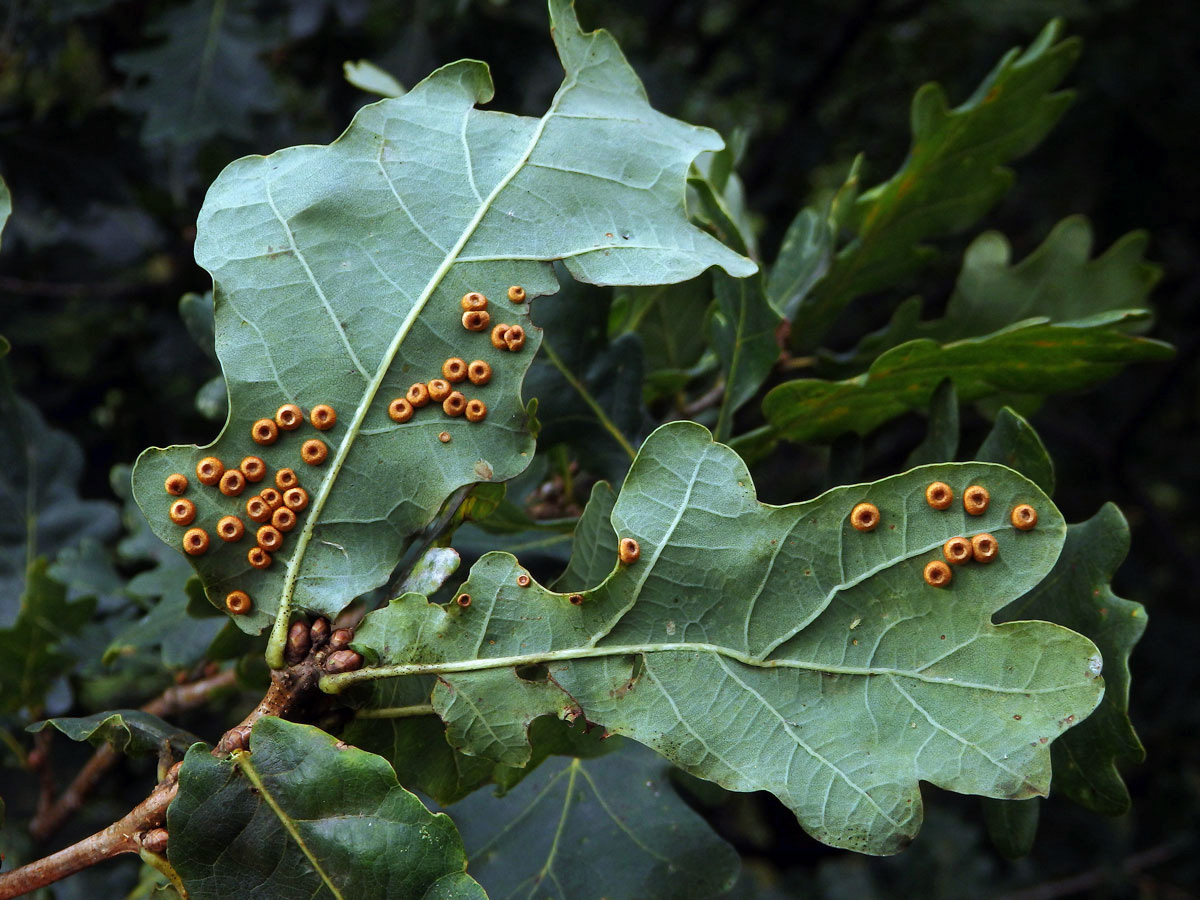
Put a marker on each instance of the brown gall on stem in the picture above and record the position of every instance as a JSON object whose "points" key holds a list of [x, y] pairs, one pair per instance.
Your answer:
{"points": [[524, 580], [439, 389], [176, 484], [232, 483], [341, 638], [937, 574], [257, 509], [283, 519], [209, 470], [939, 495], [195, 541], [516, 294], [295, 499], [269, 538], [400, 410], [1024, 517], [264, 432], [238, 602], [473, 301], [864, 516], [230, 529], [479, 372], [476, 410], [258, 558], [314, 451], [323, 417], [182, 511], [155, 841], [476, 320], [254, 469], [271, 497], [286, 478], [237, 738], [455, 404], [298, 643], [444, 437], [454, 370], [463, 600], [628, 551], [343, 661], [984, 548], [418, 395], [957, 550], [319, 632], [976, 500]]}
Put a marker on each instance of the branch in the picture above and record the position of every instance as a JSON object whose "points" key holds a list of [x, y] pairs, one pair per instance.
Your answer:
{"points": [[310, 651], [175, 698], [123, 836]]}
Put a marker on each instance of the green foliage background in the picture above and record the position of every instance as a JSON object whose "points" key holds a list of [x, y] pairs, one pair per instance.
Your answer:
{"points": [[116, 116]]}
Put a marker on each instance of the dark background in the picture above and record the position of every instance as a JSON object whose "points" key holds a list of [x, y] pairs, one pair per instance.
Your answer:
{"points": [[108, 155]]}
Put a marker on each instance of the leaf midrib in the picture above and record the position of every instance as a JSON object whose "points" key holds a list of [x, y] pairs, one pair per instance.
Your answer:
{"points": [[243, 761], [283, 615], [337, 683]]}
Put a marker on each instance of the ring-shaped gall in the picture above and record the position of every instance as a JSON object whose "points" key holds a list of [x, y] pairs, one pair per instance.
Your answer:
{"points": [[209, 470], [864, 516], [937, 574], [976, 500]]}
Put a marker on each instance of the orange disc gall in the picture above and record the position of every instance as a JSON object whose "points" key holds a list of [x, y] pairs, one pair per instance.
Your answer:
{"points": [[476, 320], [295, 499], [864, 516], [195, 541], [516, 294], [286, 478], [314, 451], [984, 548], [264, 432], [439, 390], [473, 301], [238, 602], [1024, 517], [271, 497], [230, 529], [254, 469], [233, 482], [289, 417], [258, 557], [257, 509], [455, 404], [628, 551], [937, 574], [176, 484], [269, 538], [182, 512], [957, 550], [476, 410], [209, 470], [976, 500], [400, 410], [283, 519], [479, 372], [939, 495], [323, 417], [454, 370]]}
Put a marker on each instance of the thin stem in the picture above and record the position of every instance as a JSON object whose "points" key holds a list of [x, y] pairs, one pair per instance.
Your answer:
{"points": [[606, 423], [398, 712], [123, 836], [172, 700]]}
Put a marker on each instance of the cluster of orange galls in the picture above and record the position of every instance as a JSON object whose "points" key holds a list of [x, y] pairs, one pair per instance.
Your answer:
{"points": [[982, 548], [455, 370], [274, 509]]}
